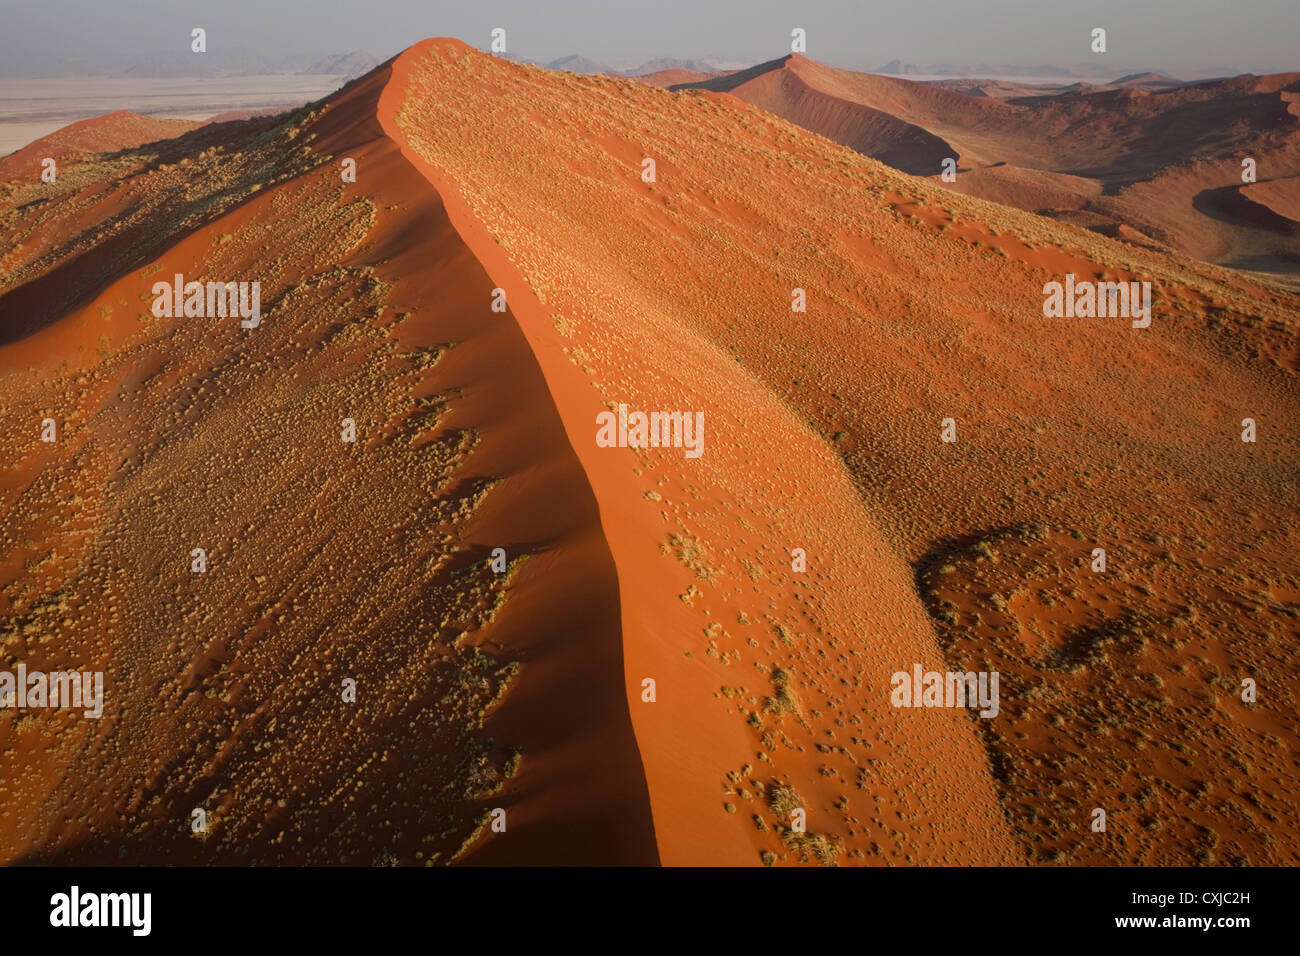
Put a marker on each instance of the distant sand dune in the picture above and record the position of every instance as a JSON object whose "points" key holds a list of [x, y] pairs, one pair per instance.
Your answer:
{"points": [[1148, 144]]}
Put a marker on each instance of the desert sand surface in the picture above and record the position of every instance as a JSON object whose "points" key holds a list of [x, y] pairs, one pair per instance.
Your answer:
{"points": [[1162, 159], [523, 687]]}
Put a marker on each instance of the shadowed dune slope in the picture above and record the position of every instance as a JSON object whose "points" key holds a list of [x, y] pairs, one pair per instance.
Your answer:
{"points": [[326, 561], [1278, 198]]}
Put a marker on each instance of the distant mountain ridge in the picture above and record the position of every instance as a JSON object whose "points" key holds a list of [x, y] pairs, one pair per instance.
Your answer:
{"points": [[576, 63]]}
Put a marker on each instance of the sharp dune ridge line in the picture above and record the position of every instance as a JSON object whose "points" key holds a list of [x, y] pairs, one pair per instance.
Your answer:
{"points": [[698, 746], [643, 282], [476, 430], [327, 560]]}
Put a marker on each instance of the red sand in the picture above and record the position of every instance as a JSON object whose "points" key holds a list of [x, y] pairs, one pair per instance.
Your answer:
{"points": [[1161, 153], [524, 690], [100, 134]]}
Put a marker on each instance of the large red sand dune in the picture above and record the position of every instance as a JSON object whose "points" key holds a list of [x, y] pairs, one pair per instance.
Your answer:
{"points": [[526, 690]]}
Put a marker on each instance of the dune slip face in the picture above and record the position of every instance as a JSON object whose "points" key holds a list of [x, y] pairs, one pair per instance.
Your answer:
{"points": [[347, 678], [494, 465], [927, 307]]}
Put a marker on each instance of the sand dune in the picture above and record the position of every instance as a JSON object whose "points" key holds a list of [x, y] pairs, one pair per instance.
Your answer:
{"points": [[1278, 197], [667, 78], [102, 134], [600, 248], [691, 541], [1150, 148], [525, 690], [328, 560]]}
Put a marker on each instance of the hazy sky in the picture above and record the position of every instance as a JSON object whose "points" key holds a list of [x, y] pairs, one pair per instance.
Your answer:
{"points": [[53, 36]]}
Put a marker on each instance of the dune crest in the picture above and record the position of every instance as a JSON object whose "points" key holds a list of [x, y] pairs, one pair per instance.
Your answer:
{"points": [[568, 650], [638, 280]]}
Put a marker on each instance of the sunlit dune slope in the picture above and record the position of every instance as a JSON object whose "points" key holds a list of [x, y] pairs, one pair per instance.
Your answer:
{"points": [[922, 305]]}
